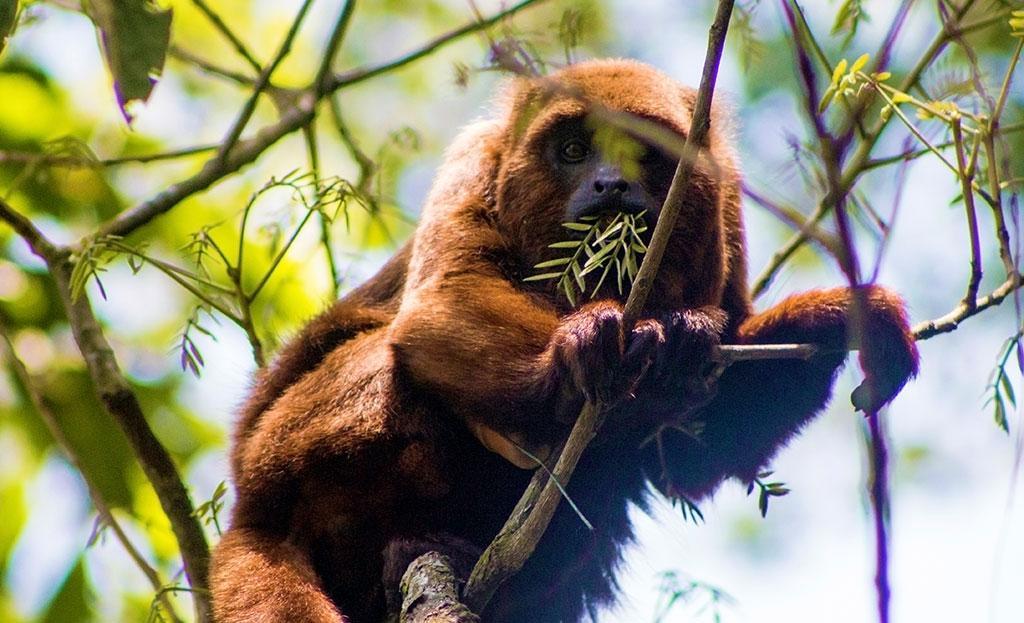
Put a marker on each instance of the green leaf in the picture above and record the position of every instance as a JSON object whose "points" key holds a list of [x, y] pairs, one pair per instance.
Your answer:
{"points": [[134, 36], [8, 20], [838, 72], [577, 226], [578, 274], [826, 99], [560, 261], [1000, 414], [568, 244], [72, 601], [608, 232], [1008, 388], [570, 294], [542, 277], [859, 64]]}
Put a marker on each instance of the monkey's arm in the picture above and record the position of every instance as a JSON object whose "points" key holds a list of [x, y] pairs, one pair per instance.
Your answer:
{"points": [[761, 404], [496, 356], [263, 578]]}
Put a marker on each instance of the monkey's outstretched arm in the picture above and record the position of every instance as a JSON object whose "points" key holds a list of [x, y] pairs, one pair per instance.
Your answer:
{"points": [[761, 404]]}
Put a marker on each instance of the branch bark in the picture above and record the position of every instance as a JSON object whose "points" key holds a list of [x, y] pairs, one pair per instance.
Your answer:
{"points": [[430, 593]]}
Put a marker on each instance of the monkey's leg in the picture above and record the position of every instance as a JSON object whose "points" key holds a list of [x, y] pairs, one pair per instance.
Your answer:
{"points": [[761, 404], [257, 577]]}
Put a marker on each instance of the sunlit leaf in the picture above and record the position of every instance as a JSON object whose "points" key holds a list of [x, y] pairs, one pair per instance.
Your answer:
{"points": [[134, 35]]}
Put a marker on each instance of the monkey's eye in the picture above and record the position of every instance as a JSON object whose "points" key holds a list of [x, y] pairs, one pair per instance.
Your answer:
{"points": [[574, 150]]}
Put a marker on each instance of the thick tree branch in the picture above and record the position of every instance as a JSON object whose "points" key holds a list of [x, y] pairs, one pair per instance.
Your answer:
{"points": [[430, 593], [39, 243], [120, 402]]}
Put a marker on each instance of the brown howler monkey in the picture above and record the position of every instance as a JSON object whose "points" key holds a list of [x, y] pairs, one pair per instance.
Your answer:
{"points": [[386, 426]]}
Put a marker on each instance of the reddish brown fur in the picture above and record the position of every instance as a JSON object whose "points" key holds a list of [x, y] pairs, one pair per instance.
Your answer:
{"points": [[355, 441]]}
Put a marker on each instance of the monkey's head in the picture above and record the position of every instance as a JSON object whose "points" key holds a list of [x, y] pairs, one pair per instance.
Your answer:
{"points": [[567, 157]]}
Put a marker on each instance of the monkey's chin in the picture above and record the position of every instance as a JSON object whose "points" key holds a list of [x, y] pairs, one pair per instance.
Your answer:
{"points": [[510, 447]]}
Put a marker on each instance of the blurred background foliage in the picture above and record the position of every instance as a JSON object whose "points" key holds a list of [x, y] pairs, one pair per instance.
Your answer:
{"points": [[70, 161]]}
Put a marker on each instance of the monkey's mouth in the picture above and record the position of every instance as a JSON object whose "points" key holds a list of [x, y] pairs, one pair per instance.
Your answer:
{"points": [[607, 206]]}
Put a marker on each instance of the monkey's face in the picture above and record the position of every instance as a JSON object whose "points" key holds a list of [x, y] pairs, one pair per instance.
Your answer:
{"points": [[598, 181], [565, 164]]}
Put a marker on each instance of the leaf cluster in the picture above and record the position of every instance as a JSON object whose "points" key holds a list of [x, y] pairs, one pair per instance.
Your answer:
{"points": [[1000, 385], [766, 490], [607, 243]]}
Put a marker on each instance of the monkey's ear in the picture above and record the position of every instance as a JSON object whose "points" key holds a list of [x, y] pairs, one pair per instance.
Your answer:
{"points": [[509, 448]]}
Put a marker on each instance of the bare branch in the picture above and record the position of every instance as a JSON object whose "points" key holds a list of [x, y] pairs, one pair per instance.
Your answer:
{"points": [[359, 75], [39, 244], [180, 53], [965, 172], [337, 36], [63, 160], [963, 311], [293, 118], [229, 34], [120, 402], [430, 593], [261, 83]]}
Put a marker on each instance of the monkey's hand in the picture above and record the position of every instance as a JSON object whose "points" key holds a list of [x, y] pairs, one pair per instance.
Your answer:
{"points": [[682, 370], [590, 350], [887, 351], [829, 318]]}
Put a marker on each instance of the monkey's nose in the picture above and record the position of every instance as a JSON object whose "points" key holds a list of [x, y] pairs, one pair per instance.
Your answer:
{"points": [[611, 186]]}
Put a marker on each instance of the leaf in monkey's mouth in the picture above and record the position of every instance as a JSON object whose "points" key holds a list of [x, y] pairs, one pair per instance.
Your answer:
{"points": [[603, 245]]}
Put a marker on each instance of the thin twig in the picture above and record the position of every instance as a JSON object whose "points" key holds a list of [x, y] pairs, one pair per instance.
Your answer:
{"points": [[180, 53], [966, 173], [356, 76], [848, 261], [323, 74], [261, 83], [313, 153], [63, 160], [229, 34], [862, 154], [366, 165]]}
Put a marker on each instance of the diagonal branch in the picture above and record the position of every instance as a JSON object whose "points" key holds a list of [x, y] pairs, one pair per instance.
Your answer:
{"points": [[526, 525], [122, 404], [261, 83]]}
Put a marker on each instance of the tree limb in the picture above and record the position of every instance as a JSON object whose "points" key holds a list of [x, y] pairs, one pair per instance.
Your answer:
{"points": [[430, 593]]}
